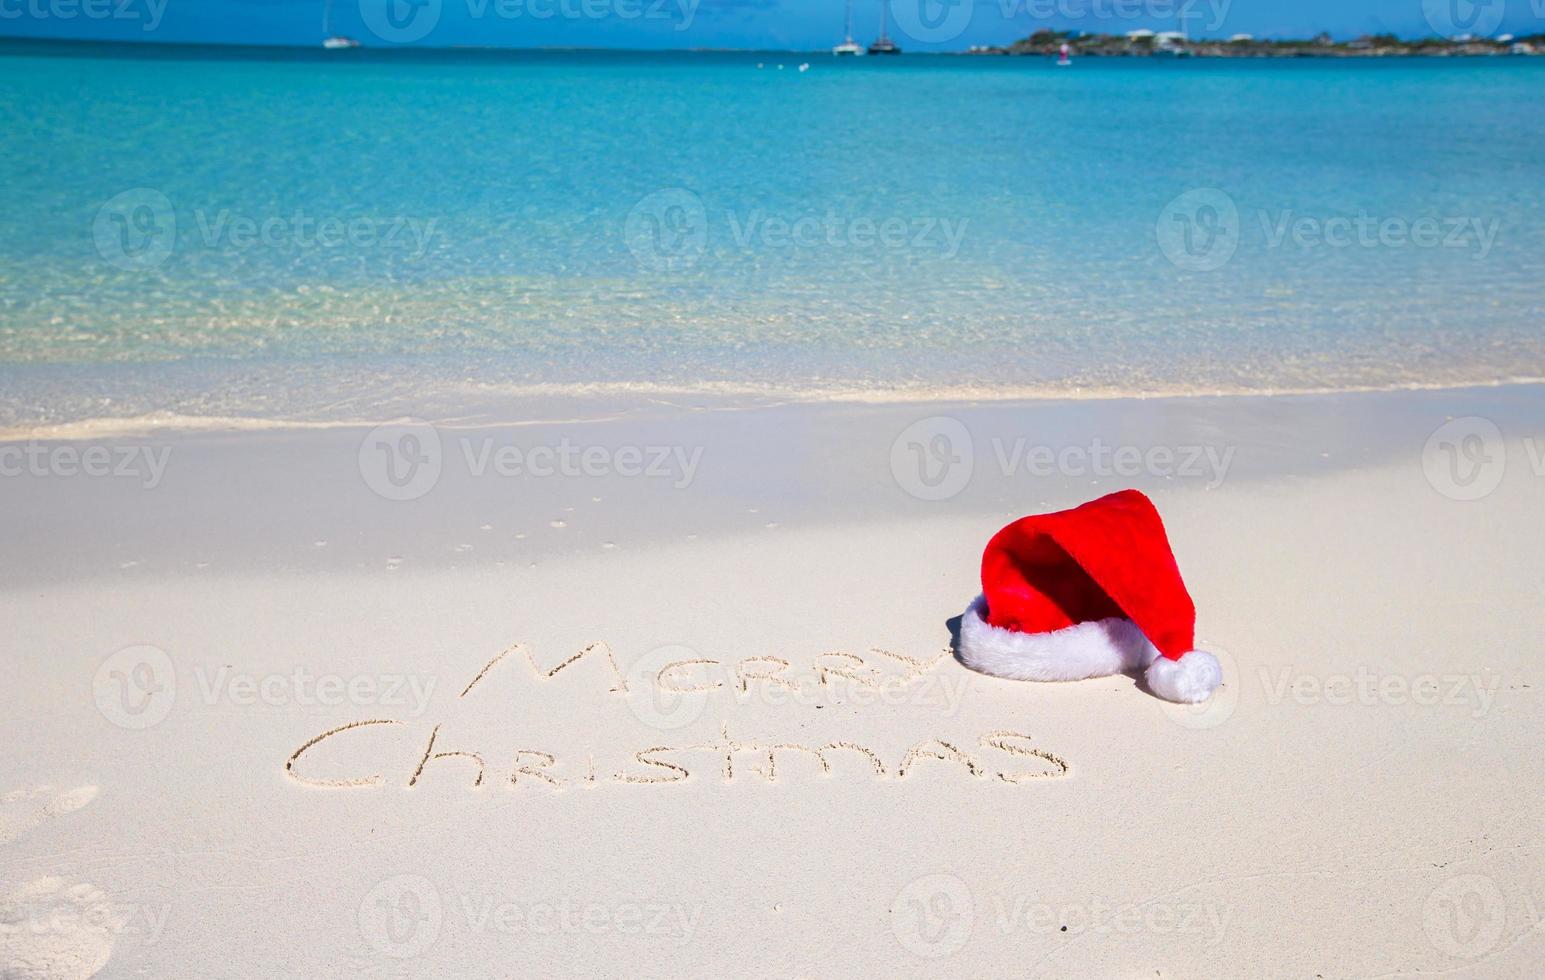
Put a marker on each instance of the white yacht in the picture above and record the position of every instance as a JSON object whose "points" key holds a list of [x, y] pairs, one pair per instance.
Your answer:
{"points": [[331, 41], [848, 45]]}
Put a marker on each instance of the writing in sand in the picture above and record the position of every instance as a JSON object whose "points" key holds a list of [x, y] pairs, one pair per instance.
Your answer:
{"points": [[999, 756]]}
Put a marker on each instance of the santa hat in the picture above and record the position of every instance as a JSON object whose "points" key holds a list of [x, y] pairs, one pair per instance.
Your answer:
{"points": [[1088, 592]]}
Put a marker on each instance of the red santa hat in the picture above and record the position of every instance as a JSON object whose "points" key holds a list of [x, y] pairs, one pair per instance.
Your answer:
{"points": [[1088, 592]]}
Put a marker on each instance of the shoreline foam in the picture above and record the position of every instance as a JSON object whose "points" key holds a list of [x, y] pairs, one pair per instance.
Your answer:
{"points": [[616, 400]]}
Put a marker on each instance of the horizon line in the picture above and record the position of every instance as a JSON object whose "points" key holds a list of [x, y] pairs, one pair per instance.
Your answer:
{"points": [[700, 49]]}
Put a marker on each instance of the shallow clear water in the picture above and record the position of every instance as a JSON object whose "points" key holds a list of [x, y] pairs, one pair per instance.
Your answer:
{"points": [[285, 233]]}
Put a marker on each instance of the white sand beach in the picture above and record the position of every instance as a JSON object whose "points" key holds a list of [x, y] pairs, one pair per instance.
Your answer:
{"points": [[540, 490], [671, 691]]}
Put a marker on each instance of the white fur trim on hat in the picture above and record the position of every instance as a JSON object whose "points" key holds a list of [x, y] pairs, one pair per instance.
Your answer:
{"points": [[1097, 648], [1188, 680]]}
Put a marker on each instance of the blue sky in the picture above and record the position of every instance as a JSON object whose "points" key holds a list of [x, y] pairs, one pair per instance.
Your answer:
{"points": [[798, 24]]}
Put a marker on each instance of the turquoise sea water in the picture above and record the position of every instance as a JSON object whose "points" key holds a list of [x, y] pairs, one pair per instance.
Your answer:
{"points": [[263, 232]]}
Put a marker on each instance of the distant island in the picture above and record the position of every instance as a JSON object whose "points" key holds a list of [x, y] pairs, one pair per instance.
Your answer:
{"points": [[1173, 44]]}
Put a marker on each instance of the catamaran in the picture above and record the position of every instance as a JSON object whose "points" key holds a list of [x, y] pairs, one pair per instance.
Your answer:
{"points": [[848, 45]]}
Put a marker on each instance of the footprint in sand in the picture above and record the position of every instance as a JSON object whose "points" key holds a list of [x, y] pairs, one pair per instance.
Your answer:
{"points": [[51, 929], [23, 809]]}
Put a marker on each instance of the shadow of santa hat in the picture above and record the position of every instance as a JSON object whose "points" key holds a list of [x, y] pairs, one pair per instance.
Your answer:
{"points": [[1088, 592]]}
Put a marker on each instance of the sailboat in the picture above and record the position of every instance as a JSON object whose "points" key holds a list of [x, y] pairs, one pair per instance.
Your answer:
{"points": [[331, 41], [883, 44], [848, 45]]}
